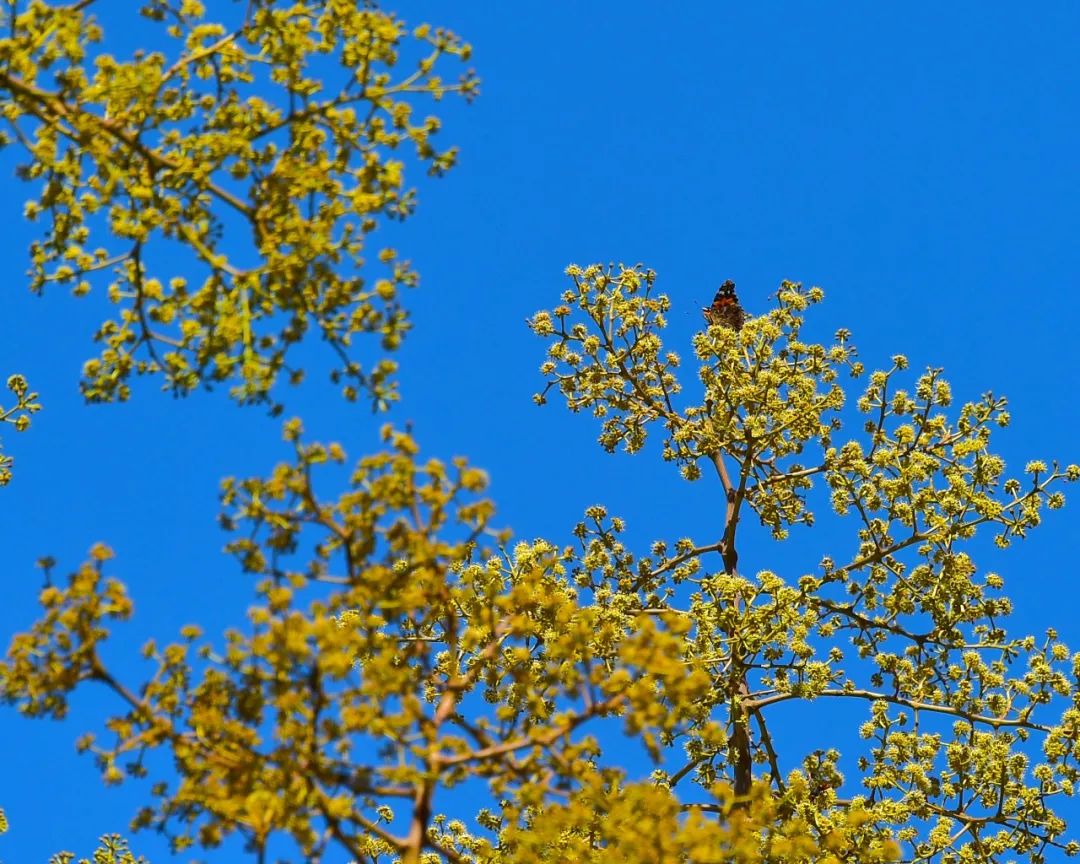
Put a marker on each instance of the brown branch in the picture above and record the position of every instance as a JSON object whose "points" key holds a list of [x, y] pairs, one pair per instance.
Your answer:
{"points": [[55, 106], [425, 789], [544, 740], [914, 704], [677, 777], [789, 475], [766, 741], [338, 832], [740, 738], [740, 744], [731, 514]]}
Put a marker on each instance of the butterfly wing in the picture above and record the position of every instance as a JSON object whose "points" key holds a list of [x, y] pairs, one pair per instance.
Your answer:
{"points": [[725, 309]]}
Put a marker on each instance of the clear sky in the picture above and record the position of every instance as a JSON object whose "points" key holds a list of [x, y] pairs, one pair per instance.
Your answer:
{"points": [[917, 161]]}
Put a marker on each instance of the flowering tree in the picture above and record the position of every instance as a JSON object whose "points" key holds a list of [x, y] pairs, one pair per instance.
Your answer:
{"points": [[902, 620], [402, 644]]}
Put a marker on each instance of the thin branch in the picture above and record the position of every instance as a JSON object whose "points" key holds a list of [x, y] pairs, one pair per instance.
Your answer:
{"points": [[766, 740], [914, 704]]}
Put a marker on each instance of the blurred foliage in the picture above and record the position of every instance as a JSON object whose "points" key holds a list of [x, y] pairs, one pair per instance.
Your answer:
{"points": [[404, 653]]}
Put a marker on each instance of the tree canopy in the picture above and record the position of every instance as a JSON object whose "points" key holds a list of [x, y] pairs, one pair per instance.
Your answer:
{"points": [[402, 643]]}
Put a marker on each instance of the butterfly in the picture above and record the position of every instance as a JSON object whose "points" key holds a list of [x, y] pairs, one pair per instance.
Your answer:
{"points": [[725, 309]]}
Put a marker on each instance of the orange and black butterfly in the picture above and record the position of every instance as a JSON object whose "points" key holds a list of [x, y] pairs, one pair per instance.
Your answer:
{"points": [[725, 309]]}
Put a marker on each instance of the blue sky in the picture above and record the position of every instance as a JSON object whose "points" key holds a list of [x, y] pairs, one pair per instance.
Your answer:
{"points": [[917, 162]]}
